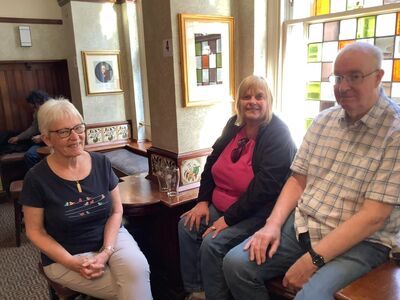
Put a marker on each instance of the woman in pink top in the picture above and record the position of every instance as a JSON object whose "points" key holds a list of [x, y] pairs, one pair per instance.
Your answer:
{"points": [[241, 180]]}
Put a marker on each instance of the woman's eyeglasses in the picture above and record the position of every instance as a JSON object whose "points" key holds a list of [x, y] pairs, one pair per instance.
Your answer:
{"points": [[66, 132], [237, 152]]}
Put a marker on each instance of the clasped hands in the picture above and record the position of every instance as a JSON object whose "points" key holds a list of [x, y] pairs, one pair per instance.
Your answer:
{"points": [[266, 242], [91, 267], [200, 210]]}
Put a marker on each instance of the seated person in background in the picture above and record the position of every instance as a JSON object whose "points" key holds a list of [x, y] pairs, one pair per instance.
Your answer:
{"points": [[338, 214], [31, 135], [239, 185], [73, 214]]}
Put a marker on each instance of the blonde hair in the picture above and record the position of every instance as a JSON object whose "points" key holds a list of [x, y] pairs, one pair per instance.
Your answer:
{"points": [[54, 110], [253, 83]]}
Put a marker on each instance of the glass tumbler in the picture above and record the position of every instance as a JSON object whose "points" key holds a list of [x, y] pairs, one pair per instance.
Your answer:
{"points": [[172, 179]]}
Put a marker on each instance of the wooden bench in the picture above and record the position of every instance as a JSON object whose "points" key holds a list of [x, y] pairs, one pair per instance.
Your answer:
{"points": [[381, 283]]}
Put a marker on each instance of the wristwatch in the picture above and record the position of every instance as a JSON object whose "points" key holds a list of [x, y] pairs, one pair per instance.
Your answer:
{"points": [[317, 259]]}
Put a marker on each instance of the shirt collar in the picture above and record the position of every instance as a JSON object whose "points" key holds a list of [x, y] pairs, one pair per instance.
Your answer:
{"points": [[370, 119]]}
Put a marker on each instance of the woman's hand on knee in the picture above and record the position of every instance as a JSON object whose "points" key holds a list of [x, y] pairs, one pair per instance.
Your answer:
{"points": [[216, 227], [193, 216]]}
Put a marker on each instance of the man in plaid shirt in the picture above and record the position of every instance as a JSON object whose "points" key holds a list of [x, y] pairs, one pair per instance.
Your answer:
{"points": [[338, 214]]}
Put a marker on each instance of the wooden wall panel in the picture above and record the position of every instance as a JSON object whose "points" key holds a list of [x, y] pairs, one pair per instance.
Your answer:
{"points": [[18, 78]]}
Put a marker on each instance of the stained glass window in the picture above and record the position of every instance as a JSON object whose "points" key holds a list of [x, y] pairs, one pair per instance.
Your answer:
{"points": [[323, 7]]}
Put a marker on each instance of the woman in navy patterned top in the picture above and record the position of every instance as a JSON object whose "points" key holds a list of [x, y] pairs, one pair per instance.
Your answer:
{"points": [[73, 214]]}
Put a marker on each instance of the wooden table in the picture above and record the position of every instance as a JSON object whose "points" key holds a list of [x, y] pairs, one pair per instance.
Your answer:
{"points": [[152, 218], [382, 283]]}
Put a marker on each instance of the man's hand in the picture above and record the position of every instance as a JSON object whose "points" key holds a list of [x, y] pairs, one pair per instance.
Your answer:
{"points": [[194, 215], [299, 273], [36, 139], [268, 236], [13, 140], [216, 227]]}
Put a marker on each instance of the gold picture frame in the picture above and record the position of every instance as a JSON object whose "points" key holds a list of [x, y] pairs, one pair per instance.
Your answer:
{"points": [[102, 72], [207, 59]]}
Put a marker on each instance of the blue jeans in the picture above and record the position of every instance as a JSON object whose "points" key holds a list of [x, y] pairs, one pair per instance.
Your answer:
{"points": [[31, 156], [246, 279], [201, 259]]}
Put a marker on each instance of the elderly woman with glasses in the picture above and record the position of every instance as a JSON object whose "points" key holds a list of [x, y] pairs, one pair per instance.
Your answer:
{"points": [[73, 214], [240, 183]]}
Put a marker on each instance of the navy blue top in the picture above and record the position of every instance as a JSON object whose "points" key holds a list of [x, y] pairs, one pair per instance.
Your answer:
{"points": [[75, 220]]}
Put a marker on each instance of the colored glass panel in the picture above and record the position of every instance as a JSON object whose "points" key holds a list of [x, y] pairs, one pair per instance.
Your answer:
{"points": [[213, 76], [313, 90], [371, 3], [313, 71], [387, 66], [314, 52], [338, 6], [205, 49], [396, 70], [198, 49], [327, 91], [219, 60], [343, 44], [322, 7], [315, 32], [219, 46], [327, 69], [198, 62], [354, 4], [398, 24], [387, 88], [366, 27], [395, 92], [212, 59], [219, 75], [199, 76], [204, 61], [331, 31], [213, 46], [385, 24], [329, 51], [386, 44], [369, 41], [205, 76], [396, 53], [347, 29], [308, 122]]}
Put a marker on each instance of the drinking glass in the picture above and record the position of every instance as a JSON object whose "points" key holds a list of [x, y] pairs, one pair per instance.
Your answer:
{"points": [[172, 179]]}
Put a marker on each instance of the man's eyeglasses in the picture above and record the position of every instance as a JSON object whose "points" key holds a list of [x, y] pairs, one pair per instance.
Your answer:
{"points": [[237, 152], [66, 132], [352, 78]]}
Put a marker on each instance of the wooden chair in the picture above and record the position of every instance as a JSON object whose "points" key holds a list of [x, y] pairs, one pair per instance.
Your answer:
{"points": [[15, 190]]}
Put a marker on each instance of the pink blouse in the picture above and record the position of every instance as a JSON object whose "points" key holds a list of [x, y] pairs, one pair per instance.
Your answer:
{"points": [[232, 179]]}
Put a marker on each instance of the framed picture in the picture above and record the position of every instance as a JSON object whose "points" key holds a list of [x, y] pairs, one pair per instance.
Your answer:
{"points": [[102, 72], [207, 59]]}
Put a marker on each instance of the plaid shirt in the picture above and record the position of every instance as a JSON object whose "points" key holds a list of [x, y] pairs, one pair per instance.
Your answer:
{"points": [[346, 164]]}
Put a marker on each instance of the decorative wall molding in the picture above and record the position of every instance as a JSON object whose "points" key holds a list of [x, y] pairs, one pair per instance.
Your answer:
{"points": [[31, 21]]}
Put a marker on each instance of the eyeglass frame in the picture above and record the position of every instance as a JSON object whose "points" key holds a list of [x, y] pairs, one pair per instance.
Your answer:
{"points": [[337, 79], [241, 144], [60, 131]]}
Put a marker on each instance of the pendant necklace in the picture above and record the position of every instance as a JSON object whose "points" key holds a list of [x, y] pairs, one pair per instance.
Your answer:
{"points": [[78, 186]]}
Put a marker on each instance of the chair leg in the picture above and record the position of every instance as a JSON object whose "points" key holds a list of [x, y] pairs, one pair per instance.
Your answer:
{"points": [[18, 221]]}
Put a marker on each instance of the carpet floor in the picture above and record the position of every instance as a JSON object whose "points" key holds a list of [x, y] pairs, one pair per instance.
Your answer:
{"points": [[19, 275]]}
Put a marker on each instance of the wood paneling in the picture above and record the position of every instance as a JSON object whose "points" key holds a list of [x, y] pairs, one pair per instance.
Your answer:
{"points": [[18, 78]]}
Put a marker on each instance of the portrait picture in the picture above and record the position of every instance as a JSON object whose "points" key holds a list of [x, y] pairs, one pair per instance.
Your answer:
{"points": [[101, 72]]}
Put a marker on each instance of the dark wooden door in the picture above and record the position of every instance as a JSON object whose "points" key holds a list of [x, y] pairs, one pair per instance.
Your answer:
{"points": [[18, 78]]}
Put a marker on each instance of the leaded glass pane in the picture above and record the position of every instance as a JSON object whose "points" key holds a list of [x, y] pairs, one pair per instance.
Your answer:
{"points": [[387, 87], [314, 52], [395, 92], [369, 41], [331, 31], [353, 4], [347, 29], [329, 51], [327, 91], [366, 27], [343, 44], [385, 24], [315, 32], [396, 70], [386, 44], [314, 72], [397, 47], [387, 65], [338, 6], [308, 122], [312, 108], [398, 24], [371, 3], [322, 7], [327, 69], [313, 90]]}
